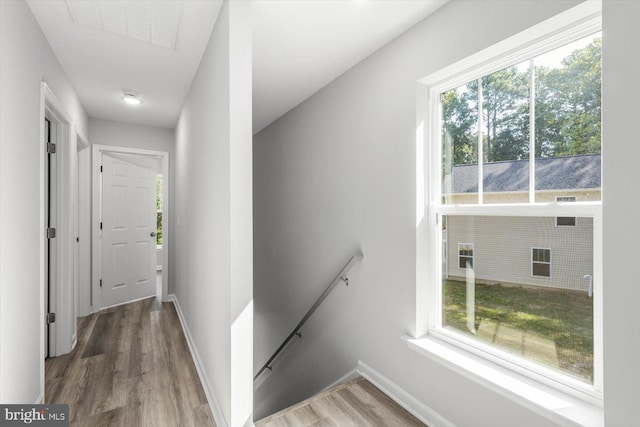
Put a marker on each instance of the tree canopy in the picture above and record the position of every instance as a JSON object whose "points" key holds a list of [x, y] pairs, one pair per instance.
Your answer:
{"points": [[567, 111]]}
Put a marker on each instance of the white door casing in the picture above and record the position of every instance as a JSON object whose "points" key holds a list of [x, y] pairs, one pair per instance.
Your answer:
{"points": [[128, 244], [51, 270], [57, 338]]}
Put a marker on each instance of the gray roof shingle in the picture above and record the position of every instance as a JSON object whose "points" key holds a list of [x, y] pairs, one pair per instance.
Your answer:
{"points": [[552, 173]]}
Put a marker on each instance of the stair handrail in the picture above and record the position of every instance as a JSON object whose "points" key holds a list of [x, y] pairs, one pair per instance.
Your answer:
{"points": [[341, 277]]}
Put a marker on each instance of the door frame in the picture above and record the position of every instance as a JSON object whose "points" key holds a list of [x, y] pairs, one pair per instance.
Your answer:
{"points": [[162, 291], [62, 297], [82, 245]]}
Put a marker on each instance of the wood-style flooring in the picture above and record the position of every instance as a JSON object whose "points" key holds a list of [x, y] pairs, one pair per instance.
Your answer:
{"points": [[355, 403], [131, 367]]}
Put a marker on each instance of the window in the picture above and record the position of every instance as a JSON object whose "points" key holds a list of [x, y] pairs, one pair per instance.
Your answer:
{"points": [[566, 221], [465, 255], [541, 262], [505, 142], [159, 184]]}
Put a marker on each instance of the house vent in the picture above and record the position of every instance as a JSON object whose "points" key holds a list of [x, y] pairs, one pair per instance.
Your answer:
{"points": [[154, 22]]}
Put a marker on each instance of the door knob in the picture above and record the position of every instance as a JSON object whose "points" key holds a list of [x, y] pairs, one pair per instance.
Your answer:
{"points": [[152, 234]]}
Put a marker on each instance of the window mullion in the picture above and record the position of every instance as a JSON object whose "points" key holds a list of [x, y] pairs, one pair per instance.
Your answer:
{"points": [[577, 209], [532, 132], [480, 145]]}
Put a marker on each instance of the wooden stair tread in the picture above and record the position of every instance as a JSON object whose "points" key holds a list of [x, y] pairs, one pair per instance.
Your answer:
{"points": [[354, 403]]}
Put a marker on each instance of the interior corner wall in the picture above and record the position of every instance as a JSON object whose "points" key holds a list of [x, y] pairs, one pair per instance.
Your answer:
{"points": [[213, 239], [337, 173], [107, 132], [26, 59], [621, 178]]}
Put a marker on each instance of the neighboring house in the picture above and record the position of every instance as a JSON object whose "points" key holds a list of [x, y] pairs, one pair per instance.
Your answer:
{"points": [[541, 251]]}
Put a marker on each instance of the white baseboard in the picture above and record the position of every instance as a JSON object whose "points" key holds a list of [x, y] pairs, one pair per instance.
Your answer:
{"points": [[343, 379], [40, 399], [418, 409], [216, 410]]}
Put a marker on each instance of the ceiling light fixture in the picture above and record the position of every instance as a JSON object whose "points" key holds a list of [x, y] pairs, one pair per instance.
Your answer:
{"points": [[131, 97]]}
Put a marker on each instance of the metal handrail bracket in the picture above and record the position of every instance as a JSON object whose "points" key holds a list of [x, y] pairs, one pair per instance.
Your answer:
{"points": [[341, 277]]}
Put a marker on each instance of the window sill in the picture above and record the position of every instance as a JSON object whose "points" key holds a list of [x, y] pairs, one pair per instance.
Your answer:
{"points": [[550, 403]]}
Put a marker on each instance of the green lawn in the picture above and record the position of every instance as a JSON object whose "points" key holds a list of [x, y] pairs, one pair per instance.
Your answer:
{"points": [[550, 326]]}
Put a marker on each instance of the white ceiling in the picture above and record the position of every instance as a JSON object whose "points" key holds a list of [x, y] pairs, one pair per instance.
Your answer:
{"points": [[101, 62], [298, 47]]}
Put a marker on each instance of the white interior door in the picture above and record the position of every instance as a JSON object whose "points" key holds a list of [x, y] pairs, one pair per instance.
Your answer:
{"points": [[128, 228]]}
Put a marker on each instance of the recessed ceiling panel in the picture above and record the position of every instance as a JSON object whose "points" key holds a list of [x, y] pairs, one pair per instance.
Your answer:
{"points": [[164, 23], [151, 21], [85, 12], [113, 16]]}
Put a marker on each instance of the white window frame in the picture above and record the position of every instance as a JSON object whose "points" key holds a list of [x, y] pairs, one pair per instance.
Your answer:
{"points": [[473, 256], [541, 262], [576, 23]]}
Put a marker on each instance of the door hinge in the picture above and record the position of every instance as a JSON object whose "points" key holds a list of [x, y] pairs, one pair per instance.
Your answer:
{"points": [[51, 233], [100, 282], [51, 148], [100, 168], [100, 226], [51, 318]]}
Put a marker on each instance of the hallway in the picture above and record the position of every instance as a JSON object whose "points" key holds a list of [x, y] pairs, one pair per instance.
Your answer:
{"points": [[131, 367]]}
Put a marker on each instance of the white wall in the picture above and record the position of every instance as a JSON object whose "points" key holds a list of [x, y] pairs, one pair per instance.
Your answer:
{"points": [[621, 151], [337, 173], [107, 132], [25, 60], [213, 239]]}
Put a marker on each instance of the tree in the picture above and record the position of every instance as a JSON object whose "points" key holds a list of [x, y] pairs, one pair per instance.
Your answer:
{"points": [[568, 104], [567, 111], [460, 112], [505, 110]]}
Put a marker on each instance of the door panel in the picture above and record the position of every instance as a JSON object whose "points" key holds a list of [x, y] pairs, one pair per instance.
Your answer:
{"points": [[128, 206], [142, 256]]}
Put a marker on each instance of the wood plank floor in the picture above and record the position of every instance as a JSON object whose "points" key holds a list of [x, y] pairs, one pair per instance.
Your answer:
{"points": [[131, 367], [355, 403]]}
